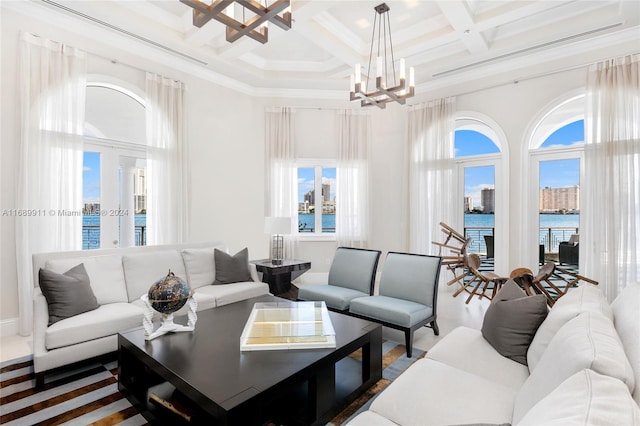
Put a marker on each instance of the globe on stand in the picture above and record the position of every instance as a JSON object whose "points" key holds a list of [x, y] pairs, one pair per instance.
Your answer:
{"points": [[166, 296]]}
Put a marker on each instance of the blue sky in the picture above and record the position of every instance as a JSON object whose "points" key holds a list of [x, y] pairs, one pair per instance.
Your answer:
{"points": [[91, 178], [306, 178]]}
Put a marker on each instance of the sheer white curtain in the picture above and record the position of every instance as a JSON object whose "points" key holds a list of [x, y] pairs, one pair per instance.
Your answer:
{"points": [[431, 169], [167, 182], [352, 178], [611, 187], [280, 171], [52, 87]]}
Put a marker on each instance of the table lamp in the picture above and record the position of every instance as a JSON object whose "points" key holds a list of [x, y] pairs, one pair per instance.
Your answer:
{"points": [[277, 227]]}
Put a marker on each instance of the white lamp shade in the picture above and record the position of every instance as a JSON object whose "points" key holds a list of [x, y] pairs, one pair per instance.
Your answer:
{"points": [[277, 225]]}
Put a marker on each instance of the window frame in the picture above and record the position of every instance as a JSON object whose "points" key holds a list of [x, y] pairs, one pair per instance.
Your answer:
{"points": [[471, 120], [318, 165]]}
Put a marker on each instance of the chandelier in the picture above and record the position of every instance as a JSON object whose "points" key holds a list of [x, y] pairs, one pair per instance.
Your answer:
{"points": [[385, 68], [254, 16]]}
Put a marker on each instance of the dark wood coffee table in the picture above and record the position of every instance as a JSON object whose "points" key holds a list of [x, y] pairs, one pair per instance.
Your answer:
{"points": [[207, 374]]}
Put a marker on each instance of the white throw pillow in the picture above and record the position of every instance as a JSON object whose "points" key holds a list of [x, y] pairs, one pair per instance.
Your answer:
{"points": [[142, 270], [586, 398], [582, 299], [106, 276], [587, 341], [200, 267]]}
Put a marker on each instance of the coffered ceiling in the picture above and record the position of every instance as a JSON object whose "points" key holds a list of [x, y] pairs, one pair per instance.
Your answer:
{"points": [[446, 41]]}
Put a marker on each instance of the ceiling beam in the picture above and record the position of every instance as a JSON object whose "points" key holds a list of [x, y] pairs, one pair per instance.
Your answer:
{"points": [[462, 21]]}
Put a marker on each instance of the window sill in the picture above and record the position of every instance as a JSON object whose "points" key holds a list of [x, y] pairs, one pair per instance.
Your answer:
{"points": [[316, 237]]}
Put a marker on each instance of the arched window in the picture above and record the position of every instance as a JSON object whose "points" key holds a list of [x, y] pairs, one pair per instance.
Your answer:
{"points": [[556, 148], [483, 189], [114, 185]]}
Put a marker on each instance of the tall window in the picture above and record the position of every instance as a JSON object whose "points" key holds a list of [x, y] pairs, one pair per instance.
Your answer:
{"points": [[114, 185], [316, 199], [559, 193], [478, 157], [556, 151]]}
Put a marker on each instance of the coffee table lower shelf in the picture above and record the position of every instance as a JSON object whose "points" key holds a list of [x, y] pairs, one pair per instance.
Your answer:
{"points": [[291, 408]]}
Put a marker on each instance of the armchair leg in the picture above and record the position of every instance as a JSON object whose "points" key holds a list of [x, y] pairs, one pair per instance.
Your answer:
{"points": [[436, 329], [408, 341]]}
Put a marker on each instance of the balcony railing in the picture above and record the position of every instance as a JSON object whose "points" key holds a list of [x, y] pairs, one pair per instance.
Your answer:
{"points": [[550, 237], [91, 236]]}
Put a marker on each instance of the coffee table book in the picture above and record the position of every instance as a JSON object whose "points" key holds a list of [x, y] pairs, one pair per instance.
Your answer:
{"points": [[288, 325]]}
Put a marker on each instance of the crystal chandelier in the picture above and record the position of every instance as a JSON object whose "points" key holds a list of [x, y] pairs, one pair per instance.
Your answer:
{"points": [[254, 16], [385, 68]]}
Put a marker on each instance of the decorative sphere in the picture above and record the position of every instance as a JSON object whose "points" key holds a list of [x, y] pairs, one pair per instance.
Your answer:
{"points": [[169, 294]]}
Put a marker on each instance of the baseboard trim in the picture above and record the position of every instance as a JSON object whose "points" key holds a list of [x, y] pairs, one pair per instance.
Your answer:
{"points": [[9, 327]]}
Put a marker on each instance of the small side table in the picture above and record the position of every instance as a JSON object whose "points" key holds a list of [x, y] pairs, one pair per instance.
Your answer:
{"points": [[279, 277]]}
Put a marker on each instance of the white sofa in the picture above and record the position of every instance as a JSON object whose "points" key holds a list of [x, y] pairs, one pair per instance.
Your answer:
{"points": [[583, 369], [118, 278]]}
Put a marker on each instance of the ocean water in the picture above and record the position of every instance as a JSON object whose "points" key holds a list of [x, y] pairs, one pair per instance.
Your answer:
{"points": [[546, 220], [306, 222]]}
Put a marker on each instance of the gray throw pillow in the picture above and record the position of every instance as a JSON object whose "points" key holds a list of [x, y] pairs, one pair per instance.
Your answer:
{"points": [[232, 269], [67, 294], [512, 319]]}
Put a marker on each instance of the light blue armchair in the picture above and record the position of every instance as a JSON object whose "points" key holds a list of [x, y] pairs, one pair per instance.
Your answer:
{"points": [[352, 274], [407, 297]]}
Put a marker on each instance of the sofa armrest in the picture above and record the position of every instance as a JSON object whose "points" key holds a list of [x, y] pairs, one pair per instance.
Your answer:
{"points": [[40, 322], [254, 272]]}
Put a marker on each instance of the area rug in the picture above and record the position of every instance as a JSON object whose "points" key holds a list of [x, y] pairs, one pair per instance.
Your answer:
{"points": [[88, 394]]}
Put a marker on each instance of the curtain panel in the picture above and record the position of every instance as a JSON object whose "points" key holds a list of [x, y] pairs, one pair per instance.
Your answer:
{"points": [[280, 171], [52, 88], [431, 128], [167, 183], [352, 178], [611, 187]]}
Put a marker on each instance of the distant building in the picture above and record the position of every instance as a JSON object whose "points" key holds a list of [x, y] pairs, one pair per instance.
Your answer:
{"points": [[139, 191], [487, 200], [560, 199], [468, 204], [310, 196], [91, 208], [326, 191]]}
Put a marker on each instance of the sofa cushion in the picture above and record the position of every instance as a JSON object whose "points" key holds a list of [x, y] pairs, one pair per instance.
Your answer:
{"points": [[454, 351], [626, 319], [396, 311], [105, 275], [587, 341], [582, 299], [234, 292], [105, 321], [512, 319], [432, 393], [200, 267], [67, 294], [586, 398], [335, 297], [141, 270], [232, 269]]}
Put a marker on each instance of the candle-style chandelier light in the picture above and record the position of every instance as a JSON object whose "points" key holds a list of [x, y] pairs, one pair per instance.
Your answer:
{"points": [[388, 86]]}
